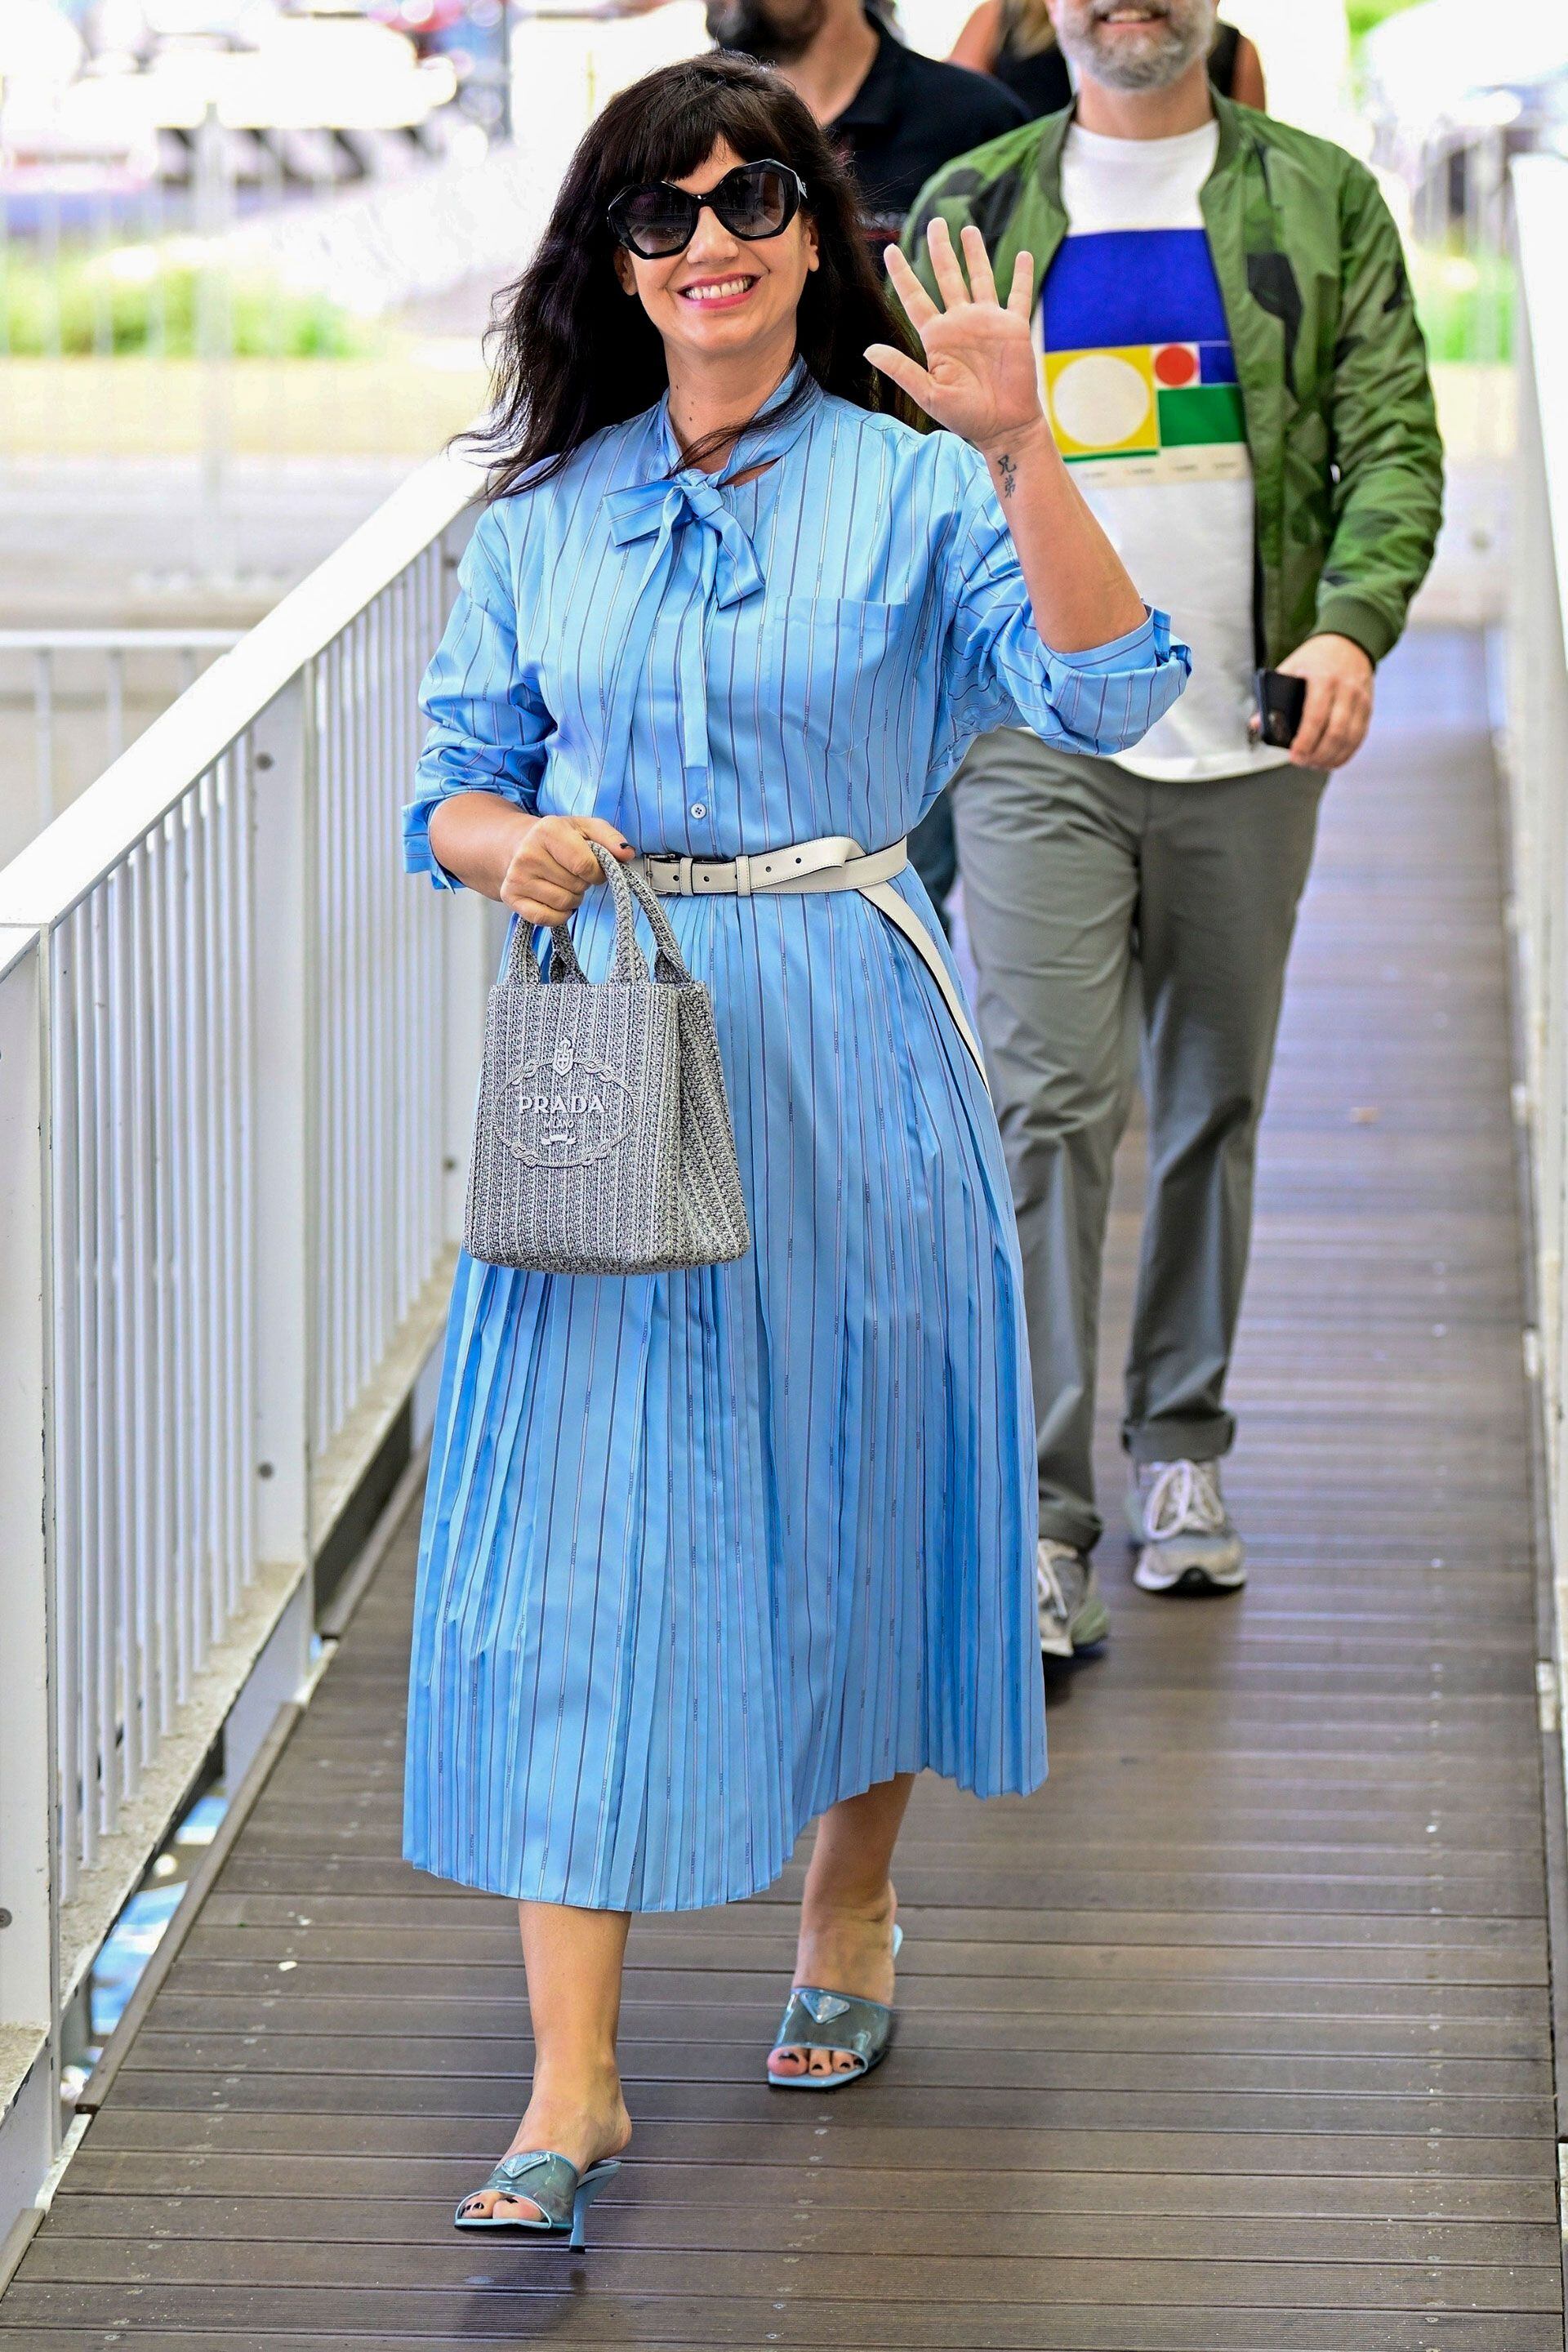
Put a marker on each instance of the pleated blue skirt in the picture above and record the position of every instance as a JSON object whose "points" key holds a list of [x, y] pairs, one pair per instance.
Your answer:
{"points": [[704, 1553]]}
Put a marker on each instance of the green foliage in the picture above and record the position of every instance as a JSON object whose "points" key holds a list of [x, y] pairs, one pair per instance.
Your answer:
{"points": [[1466, 304], [140, 301], [1366, 15]]}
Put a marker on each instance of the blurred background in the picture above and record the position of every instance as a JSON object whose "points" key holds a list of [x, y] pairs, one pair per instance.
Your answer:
{"points": [[247, 248]]}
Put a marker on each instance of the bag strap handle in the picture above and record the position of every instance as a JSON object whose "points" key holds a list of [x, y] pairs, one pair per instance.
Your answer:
{"points": [[670, 964], [522, 963]]}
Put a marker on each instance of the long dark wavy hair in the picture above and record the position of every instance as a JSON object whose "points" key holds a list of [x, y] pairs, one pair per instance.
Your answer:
{"points": [[570, 353]]}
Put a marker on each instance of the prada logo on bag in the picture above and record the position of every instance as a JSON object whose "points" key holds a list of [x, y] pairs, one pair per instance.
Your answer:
{"points": [[564, 1112]]}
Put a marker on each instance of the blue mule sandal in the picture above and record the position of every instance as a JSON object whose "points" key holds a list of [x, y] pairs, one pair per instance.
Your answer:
{"points": [[841, 2023], [561, 2193]]}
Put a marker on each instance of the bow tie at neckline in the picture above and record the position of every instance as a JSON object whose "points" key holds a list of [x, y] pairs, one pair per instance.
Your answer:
{"points": [[674, 495], [659, 507]]}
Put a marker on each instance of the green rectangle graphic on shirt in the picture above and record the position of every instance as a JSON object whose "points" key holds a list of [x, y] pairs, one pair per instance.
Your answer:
{"points": [[1203, 413]]}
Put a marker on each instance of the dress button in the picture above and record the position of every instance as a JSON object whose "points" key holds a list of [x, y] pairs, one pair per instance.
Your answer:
{"points": [[699, 808]]}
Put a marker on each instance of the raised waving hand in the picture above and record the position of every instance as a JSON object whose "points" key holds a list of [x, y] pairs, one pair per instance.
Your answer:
{"points": [[981, 376], [981, 379]]}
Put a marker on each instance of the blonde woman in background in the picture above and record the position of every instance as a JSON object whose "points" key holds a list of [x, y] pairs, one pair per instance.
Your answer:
{"points": [[1015, 41]]}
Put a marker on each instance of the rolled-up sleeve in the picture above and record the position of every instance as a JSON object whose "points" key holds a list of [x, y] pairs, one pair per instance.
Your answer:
{"points": [[999, 672], [489, 725]]}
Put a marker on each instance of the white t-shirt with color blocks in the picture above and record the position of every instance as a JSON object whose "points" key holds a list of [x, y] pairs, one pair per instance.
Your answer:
{"points": [[1139, 386]]}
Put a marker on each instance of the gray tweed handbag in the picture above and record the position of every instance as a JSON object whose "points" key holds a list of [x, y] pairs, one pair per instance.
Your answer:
{"points": [[603, 1142]]}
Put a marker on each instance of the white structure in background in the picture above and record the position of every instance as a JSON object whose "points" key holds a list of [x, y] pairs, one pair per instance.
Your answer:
{"points": [[1439, 61], [80, 695], [566, 60], [1536, 757], [1305, 46], [1450, 97], [300, 75], [302, 72], [476, 213], [39, 47]]}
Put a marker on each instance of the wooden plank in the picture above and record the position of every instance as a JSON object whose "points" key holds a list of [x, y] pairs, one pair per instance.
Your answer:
{"points": [[765, 1966], [677, 2185], [938, 2065], [955, 1942], [567, 2313], [348, 2266], [796, 2134], [1207, 1992], [893, 2101], [372, 2216], [381, 2022], [268, 1891]]}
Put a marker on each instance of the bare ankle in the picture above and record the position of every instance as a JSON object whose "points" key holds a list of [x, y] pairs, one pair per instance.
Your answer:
{"points": [[575, 2078], [834, 1901]]}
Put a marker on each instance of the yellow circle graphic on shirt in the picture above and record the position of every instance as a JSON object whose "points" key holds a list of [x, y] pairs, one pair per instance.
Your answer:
{"points": [[1103, 403]]}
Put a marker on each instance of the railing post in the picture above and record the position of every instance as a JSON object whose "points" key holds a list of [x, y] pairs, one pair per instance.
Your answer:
{"points": [[29, 2114], [470, 947], [282, 771], [471, 941]]}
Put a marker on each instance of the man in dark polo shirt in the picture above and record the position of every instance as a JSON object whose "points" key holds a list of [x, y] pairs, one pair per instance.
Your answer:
{"points": [[896, 115]]}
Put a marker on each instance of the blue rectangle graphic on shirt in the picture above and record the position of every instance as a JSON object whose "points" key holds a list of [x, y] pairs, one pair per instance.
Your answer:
{"points": [[1136, 361]]}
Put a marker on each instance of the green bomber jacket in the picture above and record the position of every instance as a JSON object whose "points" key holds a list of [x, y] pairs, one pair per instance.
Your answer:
{"points": [[1346, 456]]}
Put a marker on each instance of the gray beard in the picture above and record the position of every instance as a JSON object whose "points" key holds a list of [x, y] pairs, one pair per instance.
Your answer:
{"points": [[1164, 57]]}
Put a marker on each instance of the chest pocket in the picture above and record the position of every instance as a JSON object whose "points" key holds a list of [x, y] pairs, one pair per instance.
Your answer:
{"points": [[839, 663]]}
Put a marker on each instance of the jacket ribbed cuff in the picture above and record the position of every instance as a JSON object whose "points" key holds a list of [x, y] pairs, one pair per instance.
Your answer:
{"points": [[1342, 615]]}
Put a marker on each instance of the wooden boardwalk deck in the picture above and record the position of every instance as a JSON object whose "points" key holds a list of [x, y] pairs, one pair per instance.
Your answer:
{"points": [[1234, 2040]]}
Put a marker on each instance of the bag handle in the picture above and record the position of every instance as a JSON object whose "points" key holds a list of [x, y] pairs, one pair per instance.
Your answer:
{"points": [[670, 964], [669, 967]]}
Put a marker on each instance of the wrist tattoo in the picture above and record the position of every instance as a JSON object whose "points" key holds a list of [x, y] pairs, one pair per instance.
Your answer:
{"points": [[1009, 474]]}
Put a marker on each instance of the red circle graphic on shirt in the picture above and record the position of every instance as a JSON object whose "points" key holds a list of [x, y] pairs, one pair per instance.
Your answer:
{"points": [[1174, 365]]}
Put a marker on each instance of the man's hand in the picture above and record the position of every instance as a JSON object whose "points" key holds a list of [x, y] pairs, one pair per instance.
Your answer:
{"points": [[1339, 701]]}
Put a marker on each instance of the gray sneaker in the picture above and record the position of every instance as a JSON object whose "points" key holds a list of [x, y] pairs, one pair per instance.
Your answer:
{"points": [[1188, 1538], [1071, 1613]]}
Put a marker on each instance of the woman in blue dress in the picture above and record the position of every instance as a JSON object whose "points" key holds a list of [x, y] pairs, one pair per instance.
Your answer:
{"points": [[709, 1554]]}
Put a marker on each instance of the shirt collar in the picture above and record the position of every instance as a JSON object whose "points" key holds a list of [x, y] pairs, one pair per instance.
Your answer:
{"points": [[759, 444]]}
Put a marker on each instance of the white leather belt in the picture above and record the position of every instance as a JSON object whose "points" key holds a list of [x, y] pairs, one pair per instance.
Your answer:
{"points": [[833, 863]]}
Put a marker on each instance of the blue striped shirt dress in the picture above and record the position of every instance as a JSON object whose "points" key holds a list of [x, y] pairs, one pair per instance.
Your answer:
{"points": [[705, 1553]]}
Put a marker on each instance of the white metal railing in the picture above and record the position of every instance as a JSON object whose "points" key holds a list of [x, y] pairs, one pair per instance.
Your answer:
{"points": [[1536, 759], [73, 698], [237, 1053]]}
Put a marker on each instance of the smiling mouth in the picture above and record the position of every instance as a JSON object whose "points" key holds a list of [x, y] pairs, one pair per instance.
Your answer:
{"points": [[718, 290]]}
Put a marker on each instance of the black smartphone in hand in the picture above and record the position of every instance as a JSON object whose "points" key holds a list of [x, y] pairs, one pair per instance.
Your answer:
{"points": [[1280, 702]]}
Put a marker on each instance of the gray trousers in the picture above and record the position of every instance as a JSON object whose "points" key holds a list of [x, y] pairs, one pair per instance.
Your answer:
{"points": [[1101, 906]]}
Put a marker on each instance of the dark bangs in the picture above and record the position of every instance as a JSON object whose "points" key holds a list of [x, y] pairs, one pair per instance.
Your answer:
{"points": [[683, 112], [571, 353]]}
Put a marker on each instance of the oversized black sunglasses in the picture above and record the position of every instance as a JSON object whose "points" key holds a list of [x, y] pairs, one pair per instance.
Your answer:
{"points": [[754, 200]]}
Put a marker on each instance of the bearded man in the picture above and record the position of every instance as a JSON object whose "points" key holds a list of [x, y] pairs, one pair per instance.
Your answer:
{"points": [[894, 115], [1230, 360]]}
